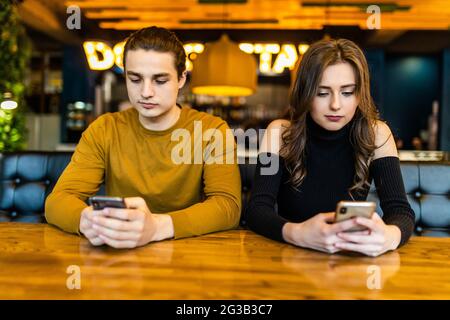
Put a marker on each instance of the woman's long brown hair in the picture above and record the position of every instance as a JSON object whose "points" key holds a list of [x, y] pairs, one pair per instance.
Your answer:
{"points": [[319, 56]]}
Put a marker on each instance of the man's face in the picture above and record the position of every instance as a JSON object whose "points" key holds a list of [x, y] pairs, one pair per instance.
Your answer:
{"points": [[152, 82]]}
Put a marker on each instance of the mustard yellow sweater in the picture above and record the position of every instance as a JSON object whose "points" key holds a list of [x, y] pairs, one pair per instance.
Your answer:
{"points": [[201, 197]]}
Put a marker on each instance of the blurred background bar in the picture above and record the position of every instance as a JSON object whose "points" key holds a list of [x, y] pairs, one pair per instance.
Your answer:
{"points": [[61, 63]]}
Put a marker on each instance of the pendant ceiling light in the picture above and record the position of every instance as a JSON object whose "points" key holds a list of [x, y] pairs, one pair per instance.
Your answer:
{"points": [[224, 70]]}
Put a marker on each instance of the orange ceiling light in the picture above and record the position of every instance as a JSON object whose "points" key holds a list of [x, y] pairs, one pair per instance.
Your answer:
{"points": [[224, 70]]}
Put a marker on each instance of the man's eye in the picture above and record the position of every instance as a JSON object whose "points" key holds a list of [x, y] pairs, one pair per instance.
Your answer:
{"points": [[160, 81], [322, 94], [347, 93]]}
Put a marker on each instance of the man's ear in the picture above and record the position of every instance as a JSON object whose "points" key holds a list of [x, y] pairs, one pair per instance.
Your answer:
{"points": [[182, 79]]}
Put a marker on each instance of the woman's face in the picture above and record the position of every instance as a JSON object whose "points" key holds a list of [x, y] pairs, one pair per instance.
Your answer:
{"points": [[336, 102]]}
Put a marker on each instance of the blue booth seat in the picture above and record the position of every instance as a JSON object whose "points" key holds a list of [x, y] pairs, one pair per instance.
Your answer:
{"points": [[28, 177]]}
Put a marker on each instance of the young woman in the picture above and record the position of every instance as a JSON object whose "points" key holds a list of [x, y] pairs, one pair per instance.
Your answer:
{"points": [[330, 150]]}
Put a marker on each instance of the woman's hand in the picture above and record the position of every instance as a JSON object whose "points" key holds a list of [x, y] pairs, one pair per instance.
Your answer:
{"points": [[376, 240], [318, 232]]}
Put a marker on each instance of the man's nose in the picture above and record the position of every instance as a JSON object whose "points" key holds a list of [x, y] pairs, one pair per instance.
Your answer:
{"points": [[147, 90]]}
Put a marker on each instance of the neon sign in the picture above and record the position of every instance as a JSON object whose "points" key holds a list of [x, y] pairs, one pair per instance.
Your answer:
{"points": [[101, 56]]}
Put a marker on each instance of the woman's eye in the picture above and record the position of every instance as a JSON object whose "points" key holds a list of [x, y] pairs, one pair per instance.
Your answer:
{"points": [[161, 81], [135, 80], [347, 93], [322, 94]]}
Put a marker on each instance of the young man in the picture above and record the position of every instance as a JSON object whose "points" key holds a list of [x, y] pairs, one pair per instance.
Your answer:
{"points": [[132, 152]]}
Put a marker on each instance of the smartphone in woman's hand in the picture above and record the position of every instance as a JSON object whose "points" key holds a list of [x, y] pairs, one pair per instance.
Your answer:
{"points": [[349, 209]]}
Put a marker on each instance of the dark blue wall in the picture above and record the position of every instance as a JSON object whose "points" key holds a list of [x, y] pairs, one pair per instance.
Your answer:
{"points": [[376, 61], [78, 83], [411, 84]]}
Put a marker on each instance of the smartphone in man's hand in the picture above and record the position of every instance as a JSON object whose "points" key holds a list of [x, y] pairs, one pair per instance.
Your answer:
{"points": [[101, 202]]}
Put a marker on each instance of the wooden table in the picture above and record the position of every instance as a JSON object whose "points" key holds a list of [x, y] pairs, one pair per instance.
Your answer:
{"points": [[38, 261]]}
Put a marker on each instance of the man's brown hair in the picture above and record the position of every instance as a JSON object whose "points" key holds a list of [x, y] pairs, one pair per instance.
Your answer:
{"points": [[160, 40]]}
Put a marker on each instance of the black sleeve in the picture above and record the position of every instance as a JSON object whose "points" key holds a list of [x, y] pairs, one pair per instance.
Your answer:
{"points": [[260, 213], [391, 192]]}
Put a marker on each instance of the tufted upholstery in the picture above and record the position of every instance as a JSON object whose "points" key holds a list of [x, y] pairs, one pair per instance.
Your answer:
{"points": [[26, 180], [427, 186], [28, 177]]}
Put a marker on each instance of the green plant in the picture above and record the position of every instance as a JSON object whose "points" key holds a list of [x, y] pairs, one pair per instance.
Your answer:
{"points": [[15, 52]]}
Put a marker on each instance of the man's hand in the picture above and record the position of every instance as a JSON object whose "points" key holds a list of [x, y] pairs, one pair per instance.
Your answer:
{"points": [[86, 227], [132, 227]]}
